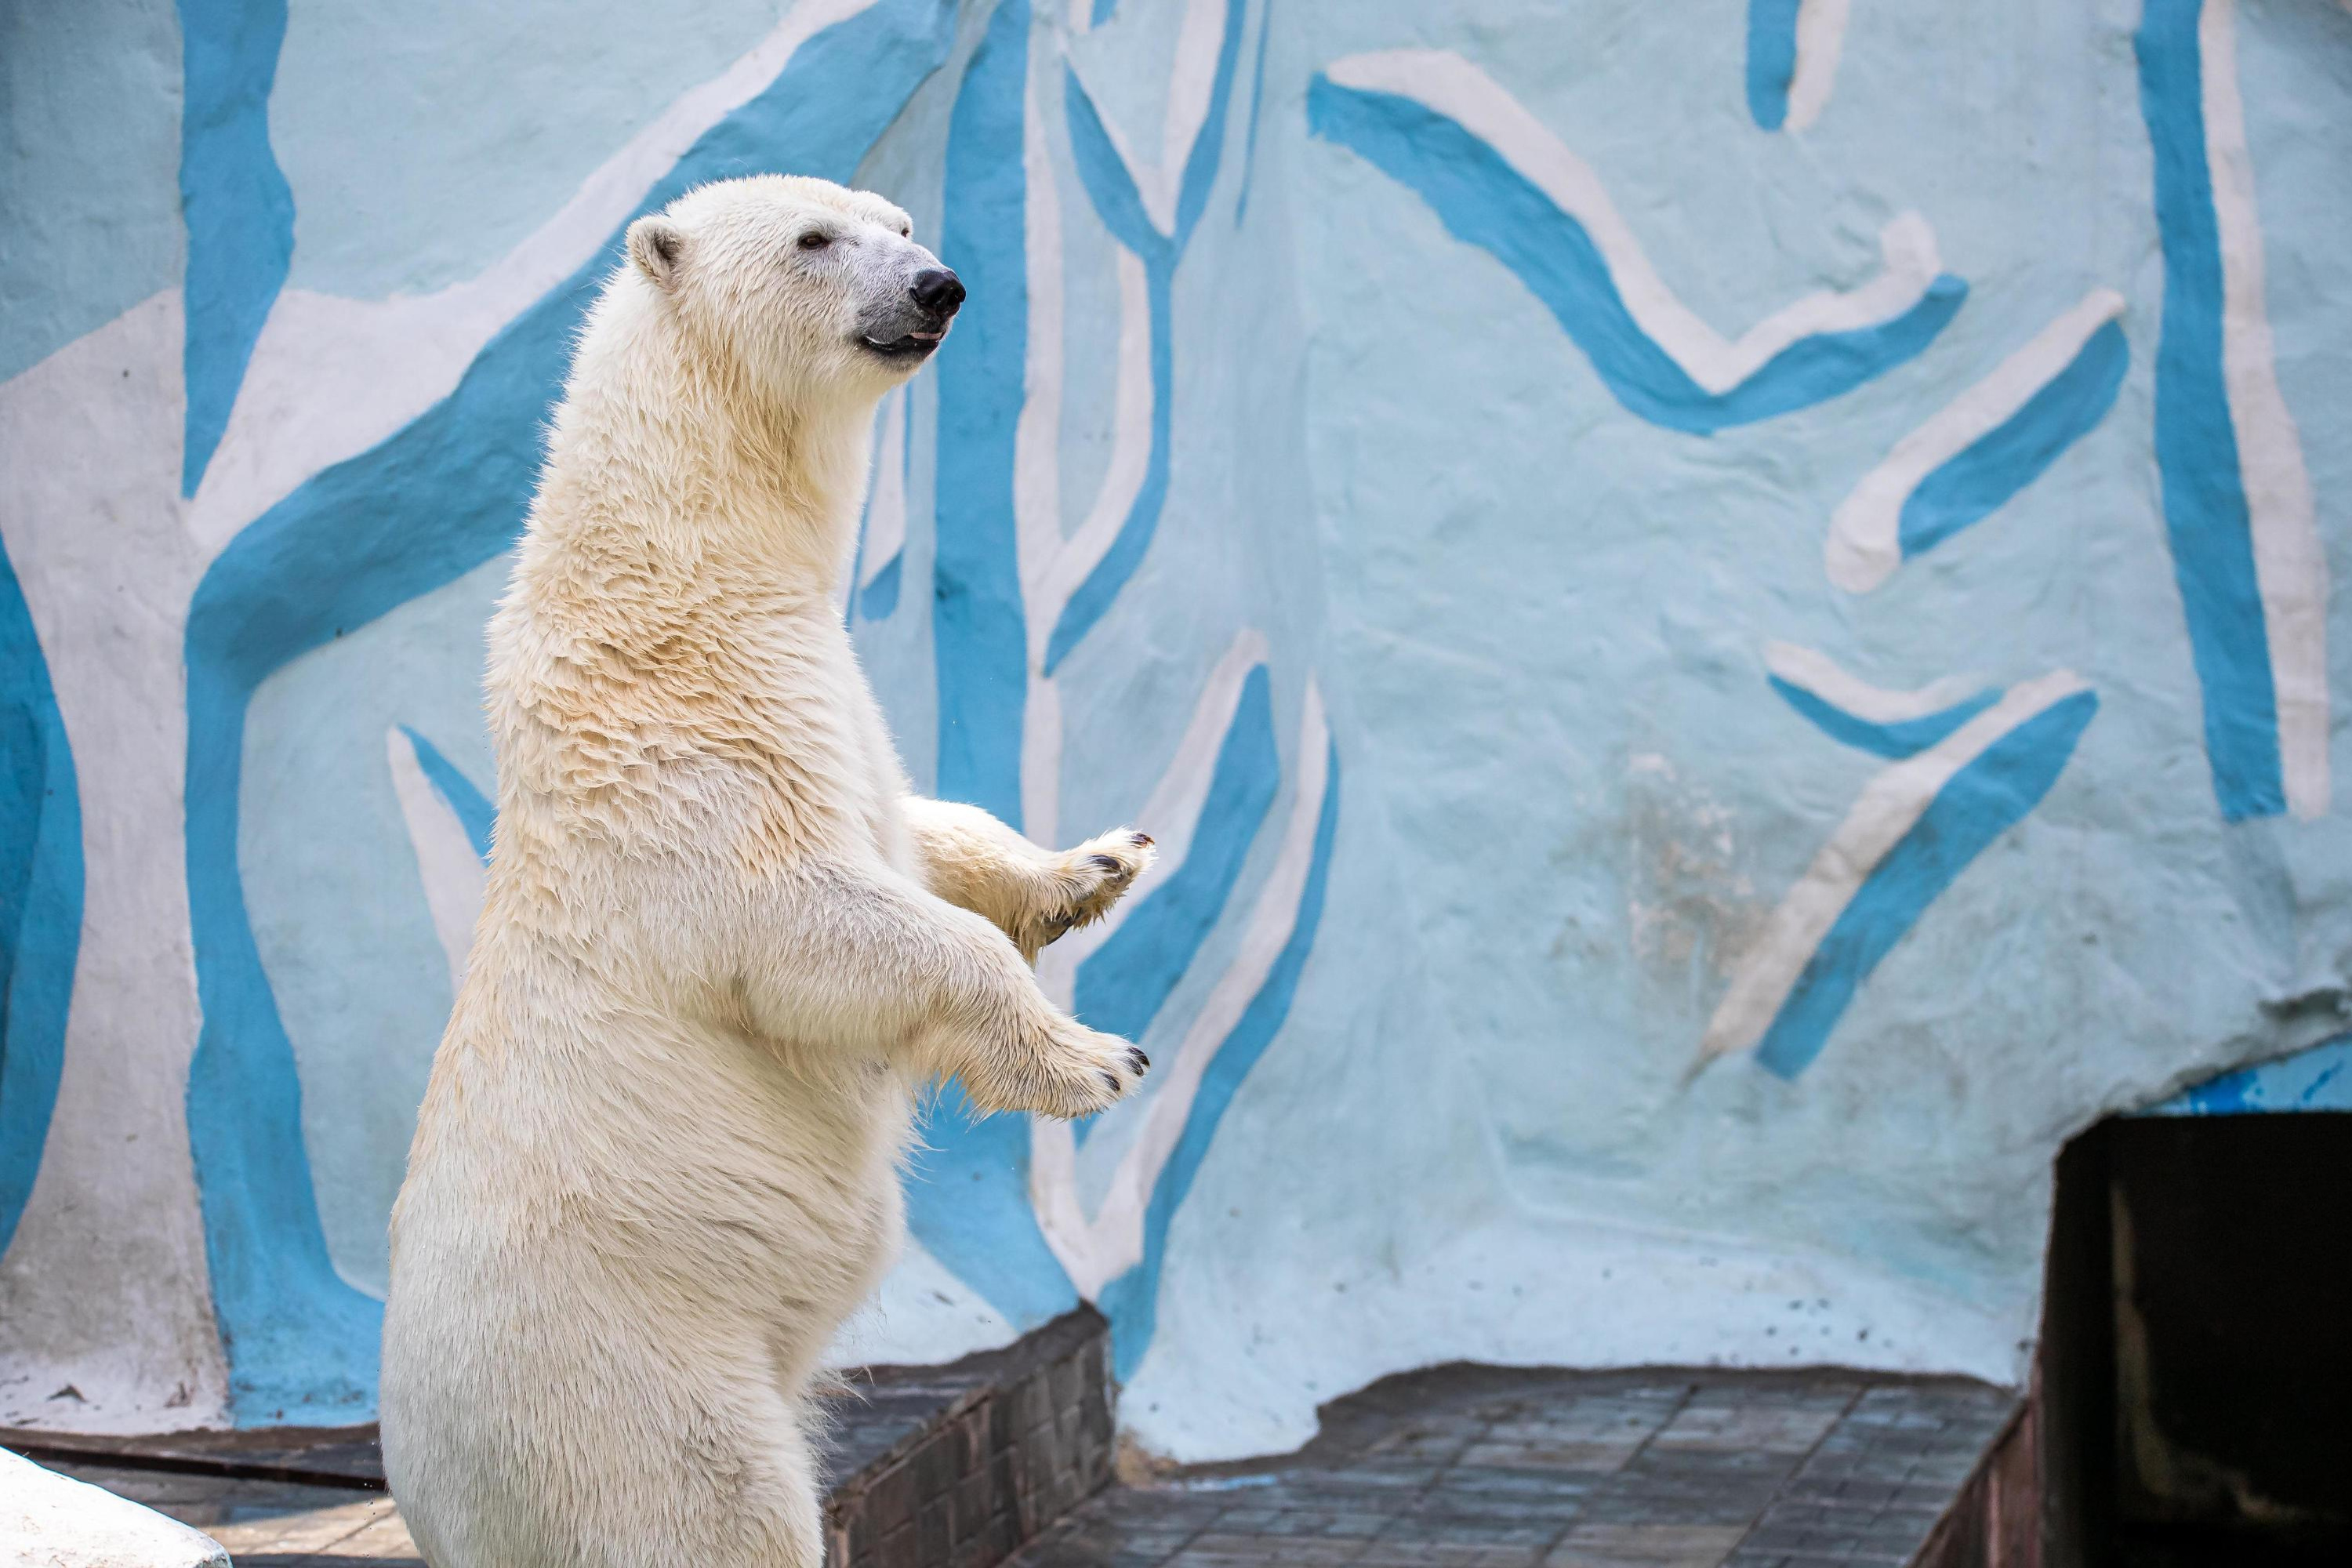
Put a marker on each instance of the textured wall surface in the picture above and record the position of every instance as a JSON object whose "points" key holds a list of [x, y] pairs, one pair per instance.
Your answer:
{"points": [[1721, 612]]}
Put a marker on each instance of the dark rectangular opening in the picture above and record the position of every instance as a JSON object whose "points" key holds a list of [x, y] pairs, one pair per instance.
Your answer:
{"points": [[2195, 1367]]}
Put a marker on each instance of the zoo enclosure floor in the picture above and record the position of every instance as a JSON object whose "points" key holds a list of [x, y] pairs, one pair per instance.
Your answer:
{"points": [[1490, 1468], [1461, 1467]]}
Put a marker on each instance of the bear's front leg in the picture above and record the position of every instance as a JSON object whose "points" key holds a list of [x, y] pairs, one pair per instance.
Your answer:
{"points": [[1033, 894], [864, 957]]}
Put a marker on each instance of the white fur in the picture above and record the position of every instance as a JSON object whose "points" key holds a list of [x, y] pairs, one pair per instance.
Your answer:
{"points": [[720, 949]]}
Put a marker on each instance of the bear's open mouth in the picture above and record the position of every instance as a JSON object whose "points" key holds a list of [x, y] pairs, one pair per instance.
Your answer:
{"points": [[913, 345]]}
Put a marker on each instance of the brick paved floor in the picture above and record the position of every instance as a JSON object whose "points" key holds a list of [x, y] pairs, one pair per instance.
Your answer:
{"points": [[1487, 1467], [1459, 1467]]}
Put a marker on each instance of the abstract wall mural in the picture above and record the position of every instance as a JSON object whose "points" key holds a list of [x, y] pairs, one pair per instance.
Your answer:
{"points": [[1501, 182], [1802, 528]]}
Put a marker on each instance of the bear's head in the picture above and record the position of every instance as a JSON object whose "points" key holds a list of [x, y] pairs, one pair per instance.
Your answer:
{"points": [[805, 288]]}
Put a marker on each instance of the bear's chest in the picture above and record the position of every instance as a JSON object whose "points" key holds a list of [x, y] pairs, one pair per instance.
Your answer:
{"points": [[784, 743]]}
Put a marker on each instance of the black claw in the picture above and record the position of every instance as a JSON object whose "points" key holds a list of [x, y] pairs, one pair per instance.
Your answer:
{"points": [[1144, 840], [1103, 862], [1136, 1059], [1111, 1079]]}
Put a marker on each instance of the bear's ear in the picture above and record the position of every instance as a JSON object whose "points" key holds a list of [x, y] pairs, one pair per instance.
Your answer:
{"points": [[656, 246]]}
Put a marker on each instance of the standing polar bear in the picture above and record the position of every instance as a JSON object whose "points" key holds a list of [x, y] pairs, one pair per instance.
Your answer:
{"points": [[720, 948]]}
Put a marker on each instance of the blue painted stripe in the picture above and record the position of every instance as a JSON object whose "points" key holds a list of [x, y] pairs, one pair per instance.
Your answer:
{"points": [[1976, 806], [1771, 59], [2312, 1079], [1981, 479], [1122, 986], [979, 633], [473, 810], [1482, 200], [967, 1203], [2196, 448], [1905, 738], [1132, 1300], [41, 899], [446, 493], [1094, 596], [1209, 146], [1105, 176], [878, 599], [1115, 201], [237, 207], [968, 1189]]}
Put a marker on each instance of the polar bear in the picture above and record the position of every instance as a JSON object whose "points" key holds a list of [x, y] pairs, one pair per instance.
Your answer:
{"points": [[720, 948]]}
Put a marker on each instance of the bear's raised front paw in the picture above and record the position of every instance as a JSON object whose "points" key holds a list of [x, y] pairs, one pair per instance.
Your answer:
{"points": [[1084, 883], [1085, 1071]]}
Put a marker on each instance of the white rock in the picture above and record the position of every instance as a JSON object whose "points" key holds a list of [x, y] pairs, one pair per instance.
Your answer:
{"points": [[49, 1522]]}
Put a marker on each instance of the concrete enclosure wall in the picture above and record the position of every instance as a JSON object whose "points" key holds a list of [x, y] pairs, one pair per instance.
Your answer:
{"points": [[1721, 611]]}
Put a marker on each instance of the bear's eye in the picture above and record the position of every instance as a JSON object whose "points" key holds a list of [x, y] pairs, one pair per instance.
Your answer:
{"points": [[812, 240], [906, 231]]}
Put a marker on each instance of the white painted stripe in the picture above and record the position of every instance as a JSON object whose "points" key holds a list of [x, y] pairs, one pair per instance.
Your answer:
{"points": [[1037, 435], [1062, 571], [1864, 543], [1037, 450], [452, 873], [330, 377], [1191, 81], [91, 516], [1454, 87], [1041, 762], [2289, 565], [1815, 672], [1889, 805], [1171, 812], [1821, 41], [1097, 1250]]}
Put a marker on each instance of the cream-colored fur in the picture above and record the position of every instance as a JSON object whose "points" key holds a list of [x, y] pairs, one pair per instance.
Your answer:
{"points": [[720, 948]]}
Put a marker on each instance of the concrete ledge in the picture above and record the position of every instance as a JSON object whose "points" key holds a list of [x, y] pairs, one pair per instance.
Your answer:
{"points": [[959, 1465], [928, 1466], [1996, 1521], [306, 1456]]}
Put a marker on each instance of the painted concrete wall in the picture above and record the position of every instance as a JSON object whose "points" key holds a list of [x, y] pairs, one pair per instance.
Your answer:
{"points": [[1721, 611]]}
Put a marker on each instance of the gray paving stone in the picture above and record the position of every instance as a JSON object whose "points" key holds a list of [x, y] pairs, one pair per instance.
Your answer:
{"points": [[1479, 1467], [1463, 1467]]}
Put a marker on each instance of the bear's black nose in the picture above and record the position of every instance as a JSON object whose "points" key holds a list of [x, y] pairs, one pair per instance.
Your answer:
{"points": [[937, 291]]}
